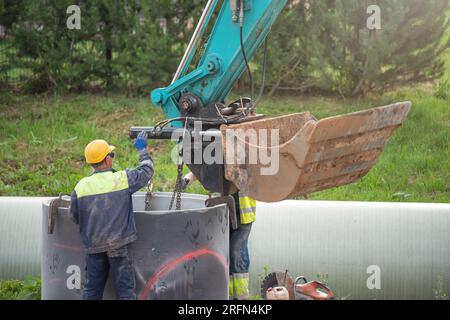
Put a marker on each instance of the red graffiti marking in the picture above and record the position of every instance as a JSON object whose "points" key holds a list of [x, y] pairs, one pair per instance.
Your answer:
{"points": [[175, 262], [67, 247]]}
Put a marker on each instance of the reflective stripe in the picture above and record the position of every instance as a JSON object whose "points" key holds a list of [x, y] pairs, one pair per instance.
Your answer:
{"points": [[101, 183], [146, 162], [241, 275], [238, 286], [248, 209]]}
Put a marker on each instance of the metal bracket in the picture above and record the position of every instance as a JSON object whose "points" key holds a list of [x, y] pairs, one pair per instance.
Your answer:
{"points": [[235, 5], [53, 211], [212, 65], [229, 200]]}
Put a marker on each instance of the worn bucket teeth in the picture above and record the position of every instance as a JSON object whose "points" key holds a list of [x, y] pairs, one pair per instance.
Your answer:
{"points": [[313, 155]]}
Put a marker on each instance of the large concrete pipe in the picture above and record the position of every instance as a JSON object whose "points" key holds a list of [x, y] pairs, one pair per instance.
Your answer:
{"points": [[20, 236], [178, 255], [365, 250]]}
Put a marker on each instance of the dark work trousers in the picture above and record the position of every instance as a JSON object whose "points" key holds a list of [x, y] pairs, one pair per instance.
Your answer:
{"points": [[99, 265], [239, 256]]}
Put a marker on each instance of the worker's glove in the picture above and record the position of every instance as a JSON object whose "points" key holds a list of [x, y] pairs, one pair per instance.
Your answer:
{"points": [[141, 141]]}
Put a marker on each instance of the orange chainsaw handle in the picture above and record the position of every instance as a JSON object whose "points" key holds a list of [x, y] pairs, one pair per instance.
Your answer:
{"points": [[311, 287]]}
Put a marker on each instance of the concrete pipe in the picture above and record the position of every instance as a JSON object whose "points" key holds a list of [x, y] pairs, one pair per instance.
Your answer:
{"points": [[178, 255], [20, 236], [363, 250]]}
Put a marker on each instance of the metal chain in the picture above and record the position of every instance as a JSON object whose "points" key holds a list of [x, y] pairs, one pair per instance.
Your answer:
{"points": [[178, 189], [180, 163], [178, 184], [148, 196]]}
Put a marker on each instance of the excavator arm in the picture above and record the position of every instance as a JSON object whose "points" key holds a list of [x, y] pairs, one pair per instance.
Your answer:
{"points": [[233, 41], [305, 155]]}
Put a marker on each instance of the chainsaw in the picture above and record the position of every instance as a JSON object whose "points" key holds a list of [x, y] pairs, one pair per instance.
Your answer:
{"points": [[280, 285]]}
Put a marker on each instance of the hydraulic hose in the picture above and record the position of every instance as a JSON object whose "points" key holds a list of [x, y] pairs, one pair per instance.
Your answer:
{"points": [[263, 81], [241, 28]]}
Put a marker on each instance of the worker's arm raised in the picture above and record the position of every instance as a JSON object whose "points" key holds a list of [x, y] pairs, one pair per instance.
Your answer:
{"points": [[139, 177]]}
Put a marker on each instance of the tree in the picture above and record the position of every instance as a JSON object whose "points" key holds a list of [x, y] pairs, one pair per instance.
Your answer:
{"points": [[9, 11], [122, 43], [340, 54], [136, 45]]}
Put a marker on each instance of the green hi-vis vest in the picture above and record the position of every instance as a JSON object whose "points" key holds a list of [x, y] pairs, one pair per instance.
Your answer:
{"points": [[101, 183], [248, 209]]}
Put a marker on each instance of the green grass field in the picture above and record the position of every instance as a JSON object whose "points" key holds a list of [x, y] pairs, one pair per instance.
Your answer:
{"points": [[42, 139]]}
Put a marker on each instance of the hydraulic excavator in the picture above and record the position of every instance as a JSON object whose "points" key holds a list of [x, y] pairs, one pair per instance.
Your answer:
{"points": [[312, 155]]}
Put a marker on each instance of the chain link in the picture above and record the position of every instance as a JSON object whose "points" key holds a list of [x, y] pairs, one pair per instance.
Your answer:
{"points": [[178, 189], [178, 185], [148, 196], [180, 163]]}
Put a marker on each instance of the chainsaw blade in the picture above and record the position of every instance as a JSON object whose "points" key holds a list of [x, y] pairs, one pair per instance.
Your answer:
{"points": [[277, 279]]}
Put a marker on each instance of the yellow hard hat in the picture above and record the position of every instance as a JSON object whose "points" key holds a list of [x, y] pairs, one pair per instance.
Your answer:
{"points": [[97, 150]]}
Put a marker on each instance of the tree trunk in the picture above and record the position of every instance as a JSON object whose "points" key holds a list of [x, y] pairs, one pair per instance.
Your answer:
{"points": [[107, 38]]}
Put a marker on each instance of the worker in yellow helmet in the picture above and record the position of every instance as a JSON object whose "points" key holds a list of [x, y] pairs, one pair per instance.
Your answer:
{"points": [[102, 205], [238, 284]]}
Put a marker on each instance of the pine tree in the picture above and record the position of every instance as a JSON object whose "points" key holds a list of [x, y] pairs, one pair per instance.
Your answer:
{"points": [[340, 54], [121, 45]]}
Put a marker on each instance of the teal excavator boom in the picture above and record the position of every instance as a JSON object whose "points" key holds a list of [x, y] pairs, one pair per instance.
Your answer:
{"points": [[310, 155], [241, 27]]}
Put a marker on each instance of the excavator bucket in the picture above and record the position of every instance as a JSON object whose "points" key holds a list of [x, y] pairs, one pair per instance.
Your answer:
{"points": [[281, 158]]}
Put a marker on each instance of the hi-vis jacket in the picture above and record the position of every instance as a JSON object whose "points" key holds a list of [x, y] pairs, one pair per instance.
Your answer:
{"points": [[248, 209], [102, 205]]}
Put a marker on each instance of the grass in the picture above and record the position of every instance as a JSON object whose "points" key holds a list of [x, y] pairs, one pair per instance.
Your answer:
{"points": [[28, 289], [42, 139], [415, 165], [442, 89]]}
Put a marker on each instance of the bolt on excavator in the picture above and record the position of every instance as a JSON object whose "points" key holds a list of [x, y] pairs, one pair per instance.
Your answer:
{"points": [[312, 155]]}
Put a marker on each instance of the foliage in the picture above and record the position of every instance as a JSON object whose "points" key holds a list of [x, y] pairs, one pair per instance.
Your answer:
{"points": [[28, 289], [331, 49], [132, 45], [9, 11], [440, 292], [442, 90], [122, 43]]}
